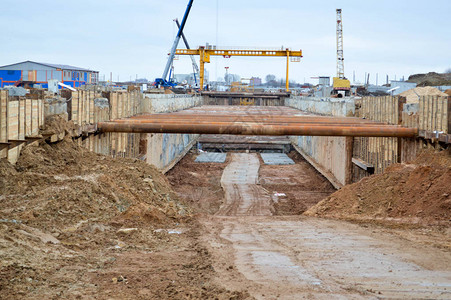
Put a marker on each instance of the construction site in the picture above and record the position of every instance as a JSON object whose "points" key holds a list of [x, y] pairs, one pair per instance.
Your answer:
{"points": [[200, 193]]}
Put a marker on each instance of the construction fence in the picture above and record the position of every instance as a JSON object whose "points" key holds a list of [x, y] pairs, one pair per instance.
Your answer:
{"points": [[88, 107], [431, 115], [22, 120]]}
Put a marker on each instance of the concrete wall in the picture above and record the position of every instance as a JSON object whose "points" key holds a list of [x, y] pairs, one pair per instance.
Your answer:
{"points": [[165, 150], [326, 154], [323, 106], [160, 103]]}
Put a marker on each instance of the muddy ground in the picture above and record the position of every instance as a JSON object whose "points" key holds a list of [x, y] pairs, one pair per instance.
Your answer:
{"points": [[77, 225], [199, 185], [260, 243]]}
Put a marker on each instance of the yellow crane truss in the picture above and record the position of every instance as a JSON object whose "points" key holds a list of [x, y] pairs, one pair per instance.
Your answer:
{"points": [[205, 53]]}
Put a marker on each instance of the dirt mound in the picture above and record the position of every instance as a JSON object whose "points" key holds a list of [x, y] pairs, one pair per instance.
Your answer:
{"points": [[413, 95], [431, 79], [76, 224], [418, 193]]}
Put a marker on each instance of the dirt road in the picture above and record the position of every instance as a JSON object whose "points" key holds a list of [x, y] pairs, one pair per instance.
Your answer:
{"points": [[299, 257], [243, 197]]}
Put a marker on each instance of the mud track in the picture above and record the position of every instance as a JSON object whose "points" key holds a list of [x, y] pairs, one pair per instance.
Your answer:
{"points": [[301, 257]]}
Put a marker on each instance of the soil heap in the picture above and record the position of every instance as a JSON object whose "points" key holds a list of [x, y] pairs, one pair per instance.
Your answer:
{"points": [[75, 224], [431, 79], [413, 95], [418, 192]]}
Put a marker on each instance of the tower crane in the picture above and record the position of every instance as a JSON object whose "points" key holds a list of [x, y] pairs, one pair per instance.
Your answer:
{"points": [[162, 81], [341, 86]]}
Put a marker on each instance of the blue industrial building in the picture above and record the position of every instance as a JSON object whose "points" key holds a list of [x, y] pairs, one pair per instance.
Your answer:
{"points": [[30, 72]]}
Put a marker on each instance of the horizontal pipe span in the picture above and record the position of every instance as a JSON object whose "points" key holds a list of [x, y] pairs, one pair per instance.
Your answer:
{"points": [[253, 122], [258, 129], [246, 118]]}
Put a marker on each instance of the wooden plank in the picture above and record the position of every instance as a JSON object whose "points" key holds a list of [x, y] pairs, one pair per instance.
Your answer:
{"points": [[22, 104], [363, 165], [448, 114], [3, 122], [91, 108], [74, 109], [433, 100], [349, 154], [13, 129], [421, 113]]}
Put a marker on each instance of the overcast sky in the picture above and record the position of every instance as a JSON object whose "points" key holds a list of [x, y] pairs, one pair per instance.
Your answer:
{"points": [[397, 38]]}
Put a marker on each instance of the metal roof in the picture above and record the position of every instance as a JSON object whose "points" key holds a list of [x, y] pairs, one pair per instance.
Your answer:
{"points": [[57, 66]]}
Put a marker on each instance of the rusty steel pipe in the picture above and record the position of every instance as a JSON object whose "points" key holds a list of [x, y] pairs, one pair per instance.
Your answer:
{"points": [[225, 123], [284, 119], [258, 129]]}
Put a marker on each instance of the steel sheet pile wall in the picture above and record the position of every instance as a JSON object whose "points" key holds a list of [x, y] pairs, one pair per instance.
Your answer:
{"points": [[329, 155], [20, 120], [89, 107], [431, 115], [378, 152], [434, 114]]}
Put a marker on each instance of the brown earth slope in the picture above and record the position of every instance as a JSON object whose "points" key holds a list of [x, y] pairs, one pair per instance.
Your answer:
{"points": [[418, 193], [77, 225], [431, 79]]}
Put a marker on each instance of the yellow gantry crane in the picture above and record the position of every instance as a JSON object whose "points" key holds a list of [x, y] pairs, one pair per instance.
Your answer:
{"points": [[206, 52]]}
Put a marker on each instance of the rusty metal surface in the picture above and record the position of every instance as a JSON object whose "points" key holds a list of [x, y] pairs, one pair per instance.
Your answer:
{"points": [[272, 121]]}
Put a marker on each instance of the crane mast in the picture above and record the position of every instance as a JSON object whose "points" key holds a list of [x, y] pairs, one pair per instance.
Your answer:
{"points": [[341, 86], [162, 81], [340, 58], [193, 61]]}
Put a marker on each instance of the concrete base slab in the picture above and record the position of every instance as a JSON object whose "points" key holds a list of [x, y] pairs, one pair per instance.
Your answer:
{"points": [[211, 157], [276, 159]]}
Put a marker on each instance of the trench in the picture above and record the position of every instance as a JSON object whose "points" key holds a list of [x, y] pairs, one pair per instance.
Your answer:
{"points": [[253, 226], [243, 184]]}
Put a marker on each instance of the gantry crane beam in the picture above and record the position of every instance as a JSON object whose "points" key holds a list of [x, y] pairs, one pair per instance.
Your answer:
{"points": [[205, 53]]}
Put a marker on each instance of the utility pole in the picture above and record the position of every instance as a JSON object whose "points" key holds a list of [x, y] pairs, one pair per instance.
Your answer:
{"points": [[227, 75]]}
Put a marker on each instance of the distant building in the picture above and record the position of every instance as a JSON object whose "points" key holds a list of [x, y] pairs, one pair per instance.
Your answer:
{"points": [[30, 72], [256, 81], [324, 81]]}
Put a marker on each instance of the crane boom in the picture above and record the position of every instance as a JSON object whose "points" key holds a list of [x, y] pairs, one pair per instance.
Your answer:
{"points": [[193, 60], [162, 80]]}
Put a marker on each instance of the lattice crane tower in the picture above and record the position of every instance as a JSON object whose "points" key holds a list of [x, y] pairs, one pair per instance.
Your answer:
{"points": [[340, 58]]}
